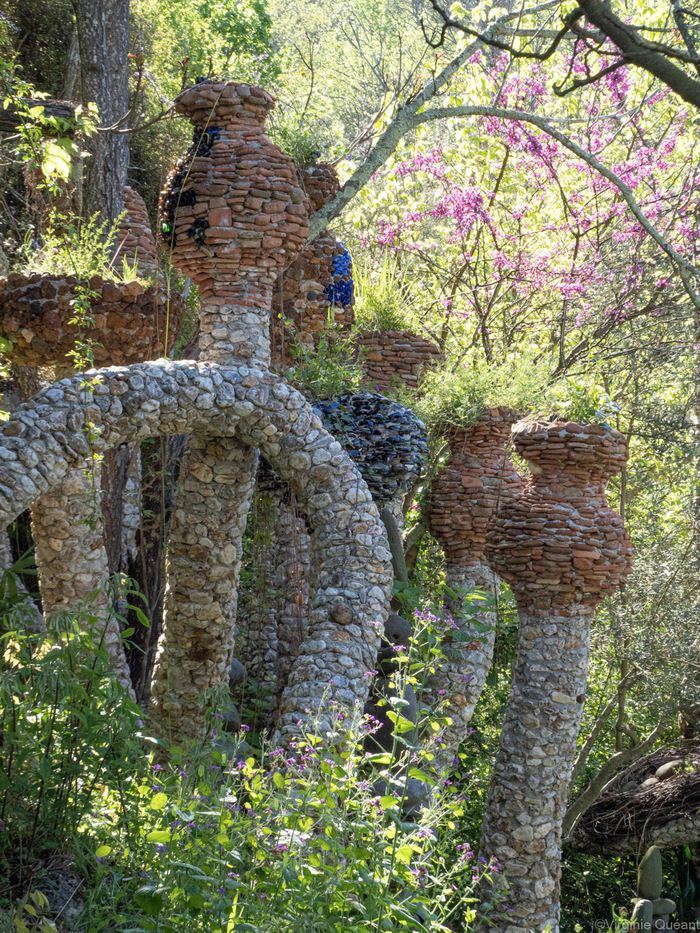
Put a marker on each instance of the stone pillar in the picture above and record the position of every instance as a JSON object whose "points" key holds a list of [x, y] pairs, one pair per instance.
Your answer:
{"points": [[388, 444], [233, 214], [128, 323], [317, 288], [465, 498], [562, 550], [274, 613]]}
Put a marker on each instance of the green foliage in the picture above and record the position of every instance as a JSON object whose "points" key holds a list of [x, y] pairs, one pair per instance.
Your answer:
{"points": [[584, 402], [223, 38], [382, 295], [329, 370], [46, 144], [73, 246], [458, 397], [68, 730], [303, 143], [294, 839]]}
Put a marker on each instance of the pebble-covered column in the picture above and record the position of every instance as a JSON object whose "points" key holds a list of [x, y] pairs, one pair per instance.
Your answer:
{"points": [[562, 550], [232, 214], [315, 287], [388, 444], [127, 322], [275, 607], [45, 438], [465, 498]]}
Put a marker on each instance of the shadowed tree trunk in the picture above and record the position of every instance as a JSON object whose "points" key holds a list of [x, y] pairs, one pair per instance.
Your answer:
{"points": [[103, 40]]}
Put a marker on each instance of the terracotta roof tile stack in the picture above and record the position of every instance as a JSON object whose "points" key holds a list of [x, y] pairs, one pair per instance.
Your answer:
{"points": [[396, 358], [465, 497], [562, 550], [233, 211], [475, 481], [135, 241], [558, 543]]}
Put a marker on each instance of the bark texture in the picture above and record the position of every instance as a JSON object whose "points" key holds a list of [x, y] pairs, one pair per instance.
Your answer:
{"points": [[103, 40]]}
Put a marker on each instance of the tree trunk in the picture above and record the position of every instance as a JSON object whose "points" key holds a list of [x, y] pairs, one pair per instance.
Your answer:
{"points": [[103, 41]]}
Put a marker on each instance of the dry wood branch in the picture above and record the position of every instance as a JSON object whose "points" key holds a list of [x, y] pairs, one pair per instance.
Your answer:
{"points": [[602, 780]]}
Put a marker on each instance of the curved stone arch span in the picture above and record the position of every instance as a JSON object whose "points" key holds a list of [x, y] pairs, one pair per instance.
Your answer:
{"points": [[66, 423]]}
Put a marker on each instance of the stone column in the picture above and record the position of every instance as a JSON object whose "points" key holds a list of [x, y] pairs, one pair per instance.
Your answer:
{"points": [[128, 322], [562, 550], [307, 293], [233, 215], [317, 288], [276, 604], [465, 498]]}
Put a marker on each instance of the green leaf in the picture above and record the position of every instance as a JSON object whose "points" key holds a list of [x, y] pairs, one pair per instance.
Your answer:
{"points": [[386, 803], [404, 854], [150, 899], [278, 780], [420, 775]]}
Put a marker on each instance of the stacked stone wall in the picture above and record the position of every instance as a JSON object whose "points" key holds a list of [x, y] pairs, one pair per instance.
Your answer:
{"points": [[393, 357], [130, 320]]}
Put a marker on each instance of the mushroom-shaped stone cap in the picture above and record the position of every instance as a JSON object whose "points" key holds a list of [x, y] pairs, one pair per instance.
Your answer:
{"points": [[556, 445], [387, 441], [211, 103]]}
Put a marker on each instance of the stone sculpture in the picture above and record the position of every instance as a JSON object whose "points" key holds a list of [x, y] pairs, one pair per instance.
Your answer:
{"points": [[464, 501], [389, 445], [234, 215], [46, 437], [396, 358], [562, 550], [127, 322], [316, 289]]}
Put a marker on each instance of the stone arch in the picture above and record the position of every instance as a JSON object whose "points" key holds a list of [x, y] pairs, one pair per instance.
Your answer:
{"points": [[64, 424]]}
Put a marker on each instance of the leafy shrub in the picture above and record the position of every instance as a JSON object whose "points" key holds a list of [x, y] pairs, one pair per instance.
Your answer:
{"points": [[329, 370], [295, 839], [574, 400], [68, 730], [303, 143], [458, 397], [81, 248], [383, 297]]}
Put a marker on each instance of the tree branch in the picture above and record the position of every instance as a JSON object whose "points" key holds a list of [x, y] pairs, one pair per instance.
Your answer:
{"points": [[592, 737], [639, 52], [689, 273], [600, 782], [402, 123]]}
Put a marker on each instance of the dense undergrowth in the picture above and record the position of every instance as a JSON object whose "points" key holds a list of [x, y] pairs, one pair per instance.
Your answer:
{"points": [[104, 828]]}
